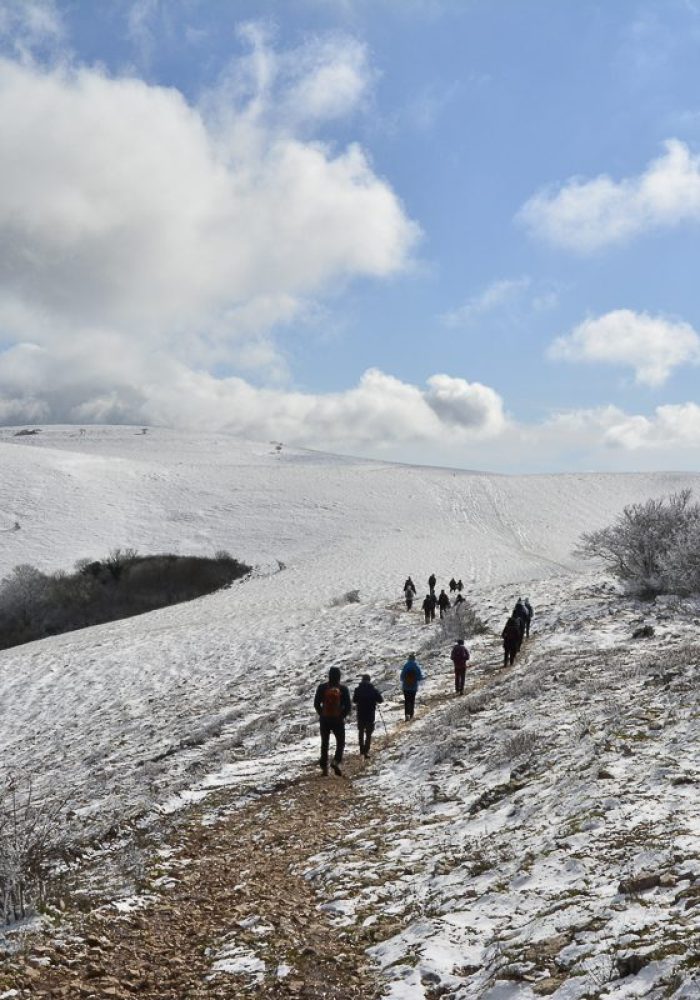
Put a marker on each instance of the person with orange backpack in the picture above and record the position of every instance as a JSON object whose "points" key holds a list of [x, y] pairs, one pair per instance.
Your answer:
{"points": [[333, 706], [411, 676]]}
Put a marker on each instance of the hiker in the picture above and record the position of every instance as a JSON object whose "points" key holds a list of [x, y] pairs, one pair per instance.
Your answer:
{"points": [[366, 698], [460, 656], [332, 703], [443, 602], [411, 676], [520, 612], [530, 612], [512, 638], [409, 591], [460, 586], [432, 580], [453, 585], [428, 606], [459, 600]]}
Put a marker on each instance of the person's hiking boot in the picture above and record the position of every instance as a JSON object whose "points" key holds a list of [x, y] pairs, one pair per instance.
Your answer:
{"points": [[337, 768]]}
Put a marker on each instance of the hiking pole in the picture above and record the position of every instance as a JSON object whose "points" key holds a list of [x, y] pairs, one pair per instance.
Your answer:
{"points": [[382, 718]]}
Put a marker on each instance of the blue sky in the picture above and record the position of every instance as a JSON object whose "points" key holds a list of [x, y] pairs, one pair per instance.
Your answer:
{"points": [[449, 232]]}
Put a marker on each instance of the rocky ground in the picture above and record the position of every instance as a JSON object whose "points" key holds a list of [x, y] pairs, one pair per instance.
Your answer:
{"points": [[538, 837]]}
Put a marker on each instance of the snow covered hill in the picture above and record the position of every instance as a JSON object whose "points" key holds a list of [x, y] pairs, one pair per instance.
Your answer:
{"points": [[126, 713], [139, 717]]}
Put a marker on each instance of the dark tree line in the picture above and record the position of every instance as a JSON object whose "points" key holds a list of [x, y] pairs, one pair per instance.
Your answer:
{"points": [[35, 604]]}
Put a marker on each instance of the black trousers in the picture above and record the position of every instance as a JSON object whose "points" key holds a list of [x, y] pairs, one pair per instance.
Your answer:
{"points": [[409, 701], [509, 655], [337, 727], [365, 728], [460, 674]]}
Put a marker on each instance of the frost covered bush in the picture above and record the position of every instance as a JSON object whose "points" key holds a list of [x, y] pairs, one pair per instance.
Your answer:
{"points": [[653, 547], [35, 604], [349, 597], [30, 838], [460, 622]]}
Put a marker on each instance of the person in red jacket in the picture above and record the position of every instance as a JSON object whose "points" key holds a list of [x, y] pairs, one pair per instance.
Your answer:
{"points": [[460, 657]]}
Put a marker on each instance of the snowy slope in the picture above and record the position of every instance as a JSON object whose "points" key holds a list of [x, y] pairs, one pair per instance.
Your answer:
{"points": [[127, 714]]}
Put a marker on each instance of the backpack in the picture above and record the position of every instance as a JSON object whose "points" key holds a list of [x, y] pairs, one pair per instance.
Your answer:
{"points": [[410, 677], [332, 702]]}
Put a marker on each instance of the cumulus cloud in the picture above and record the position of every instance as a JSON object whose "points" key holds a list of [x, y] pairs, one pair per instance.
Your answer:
{"points": [[585, 215], [377, 414], [651, 345], [165, 236]]}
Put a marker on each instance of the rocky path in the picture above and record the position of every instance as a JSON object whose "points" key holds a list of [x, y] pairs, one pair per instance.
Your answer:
{"points": [[239, 882]]}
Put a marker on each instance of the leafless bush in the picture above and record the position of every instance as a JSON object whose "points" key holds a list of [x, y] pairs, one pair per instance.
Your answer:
{"points": [[460, 622], [653, 547], [30, 835], [521, 744], [349, 597], [477, 702]]}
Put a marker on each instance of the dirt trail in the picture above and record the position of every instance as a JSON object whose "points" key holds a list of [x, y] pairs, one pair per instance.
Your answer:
{"points": [[237, 879], [247, 864]]}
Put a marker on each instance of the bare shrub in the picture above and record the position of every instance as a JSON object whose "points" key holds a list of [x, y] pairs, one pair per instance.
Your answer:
{"points": [[30, 836], [653, 547], [523, 743], [349, 597], [460, 622]]}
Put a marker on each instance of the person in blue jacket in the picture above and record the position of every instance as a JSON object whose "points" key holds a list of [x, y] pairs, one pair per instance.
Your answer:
{"points": [[411, 676]]}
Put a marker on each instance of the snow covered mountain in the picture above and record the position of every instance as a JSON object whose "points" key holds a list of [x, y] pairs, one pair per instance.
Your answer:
{"points": [[142, 716]]}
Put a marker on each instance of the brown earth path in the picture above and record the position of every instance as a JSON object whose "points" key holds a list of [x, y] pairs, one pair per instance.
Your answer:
{"points": [[232, 875], [248, 863]]}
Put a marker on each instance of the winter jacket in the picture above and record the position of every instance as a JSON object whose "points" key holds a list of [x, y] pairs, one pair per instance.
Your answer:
{"points": [[411, 666], [511, 634], [459, 655], [443, 600], [409, 586], [345, 703], [366, 698], [529, 610]]}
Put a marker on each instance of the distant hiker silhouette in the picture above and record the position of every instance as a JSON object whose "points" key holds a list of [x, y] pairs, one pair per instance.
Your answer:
{"points": [[460, 586], [411, 676], [366, 698], [460, 656], [512, 637], [409, 591], [429, 605], [332, 703], [443, 603], [453, 585], [432, 580], [459, 600], [520, 612], [530, 612]]}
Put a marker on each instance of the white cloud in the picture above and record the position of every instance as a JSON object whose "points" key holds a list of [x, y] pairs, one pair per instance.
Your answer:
{"points": [[29, 26], [494, 296], [133, 222], [378, 414], [585, 215], [651, 345], [671, 425]]}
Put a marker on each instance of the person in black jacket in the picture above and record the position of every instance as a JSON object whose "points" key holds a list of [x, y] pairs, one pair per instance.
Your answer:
{"points": [[332, 703], [512, 638], [432, 580], [429, 605], [366, 698], [409, 590], [443, 603]]}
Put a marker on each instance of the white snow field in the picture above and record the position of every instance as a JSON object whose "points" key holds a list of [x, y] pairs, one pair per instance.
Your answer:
{"points": [[517, 815]]}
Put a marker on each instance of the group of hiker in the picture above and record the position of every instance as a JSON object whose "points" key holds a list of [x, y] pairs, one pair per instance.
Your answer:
{"points": [[333, 703], [433, 602]]}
